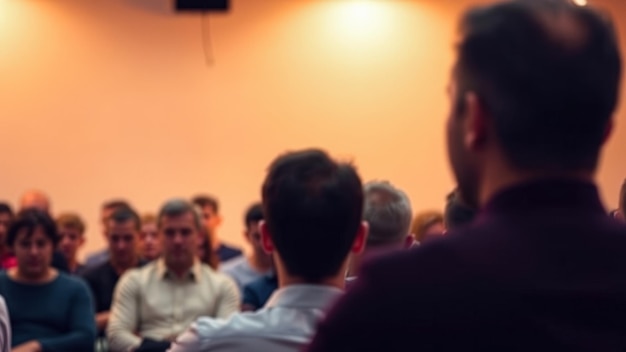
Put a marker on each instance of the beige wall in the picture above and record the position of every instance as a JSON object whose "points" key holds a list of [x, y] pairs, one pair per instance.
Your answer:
{"points": [[113, 98]]}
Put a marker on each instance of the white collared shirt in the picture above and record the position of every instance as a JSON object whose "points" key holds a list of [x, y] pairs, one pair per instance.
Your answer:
{"points": [[151, 302], [286, 324]]}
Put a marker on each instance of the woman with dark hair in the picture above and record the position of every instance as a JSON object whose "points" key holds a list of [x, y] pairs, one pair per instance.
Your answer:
{"points": [[49, 310]]}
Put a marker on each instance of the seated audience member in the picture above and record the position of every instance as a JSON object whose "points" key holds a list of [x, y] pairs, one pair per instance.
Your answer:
{"points": [[152, 305], [108, 208], [35, 199], [245, 269], [256, 294], [5, 327], [122, 234], [458, 213], [149, 246], [206, 253], [388, 213], [48, 310], [212, 219], [532, 99], [7, 259], [427, 225], [313, 207], [71, 229]]}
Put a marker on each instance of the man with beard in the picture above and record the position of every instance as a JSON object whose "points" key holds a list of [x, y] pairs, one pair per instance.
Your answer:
{"points": [[542, 267]]}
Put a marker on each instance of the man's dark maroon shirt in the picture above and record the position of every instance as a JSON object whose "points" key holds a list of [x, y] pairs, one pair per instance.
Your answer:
{"points": [[543, 268]]}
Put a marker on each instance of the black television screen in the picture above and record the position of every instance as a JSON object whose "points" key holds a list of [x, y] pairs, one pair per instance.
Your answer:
{"points": [[202, 5]]}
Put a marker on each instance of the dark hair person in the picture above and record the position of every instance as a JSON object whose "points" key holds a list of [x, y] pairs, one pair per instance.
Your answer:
{"points": [[49, 310]]}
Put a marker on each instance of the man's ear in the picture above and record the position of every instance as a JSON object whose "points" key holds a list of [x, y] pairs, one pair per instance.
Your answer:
{"points": [[361, 238], [475, 122], [266, 239]]}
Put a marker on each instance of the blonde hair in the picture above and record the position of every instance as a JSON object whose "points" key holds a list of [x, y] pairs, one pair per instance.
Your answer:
{"points": [[422, 221]]}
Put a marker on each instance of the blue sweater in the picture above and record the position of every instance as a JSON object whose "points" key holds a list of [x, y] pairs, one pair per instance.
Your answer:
{"points": [[58, 314]]}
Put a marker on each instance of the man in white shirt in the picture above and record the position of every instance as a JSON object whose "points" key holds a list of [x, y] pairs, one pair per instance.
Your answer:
{"points": [[152, 305], [313, 207]]}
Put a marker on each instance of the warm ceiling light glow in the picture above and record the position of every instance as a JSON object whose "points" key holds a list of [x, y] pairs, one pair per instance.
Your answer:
{"points": [[580, 2], [361, 20], [360, 12]]}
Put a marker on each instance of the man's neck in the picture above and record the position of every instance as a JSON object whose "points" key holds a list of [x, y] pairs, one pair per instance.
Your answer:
{"points": [[498, 178], [72, 264], [337, 281], [180, 270], [355, 265]]}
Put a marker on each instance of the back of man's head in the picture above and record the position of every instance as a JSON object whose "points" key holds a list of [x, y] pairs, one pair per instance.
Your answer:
{"points": [[388, 213], [313, 208], [547, 74]]}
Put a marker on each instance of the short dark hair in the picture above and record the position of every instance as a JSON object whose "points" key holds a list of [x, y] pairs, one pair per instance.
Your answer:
{"points": [[115, 204], [122, 215], [547, 73], [313, 208], [177, 207], [5, 208], [253, 214], [207, 201], [30, 219]]}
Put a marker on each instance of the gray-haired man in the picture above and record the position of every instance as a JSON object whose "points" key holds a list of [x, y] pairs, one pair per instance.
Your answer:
{"points": [[387, 210]]}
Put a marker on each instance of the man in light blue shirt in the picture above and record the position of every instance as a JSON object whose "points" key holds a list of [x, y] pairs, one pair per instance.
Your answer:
{"points": [[313, 208], [246, 269]]}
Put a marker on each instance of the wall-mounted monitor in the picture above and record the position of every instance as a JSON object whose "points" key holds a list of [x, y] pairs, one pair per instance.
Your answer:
{"points": [[202, 5]]}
